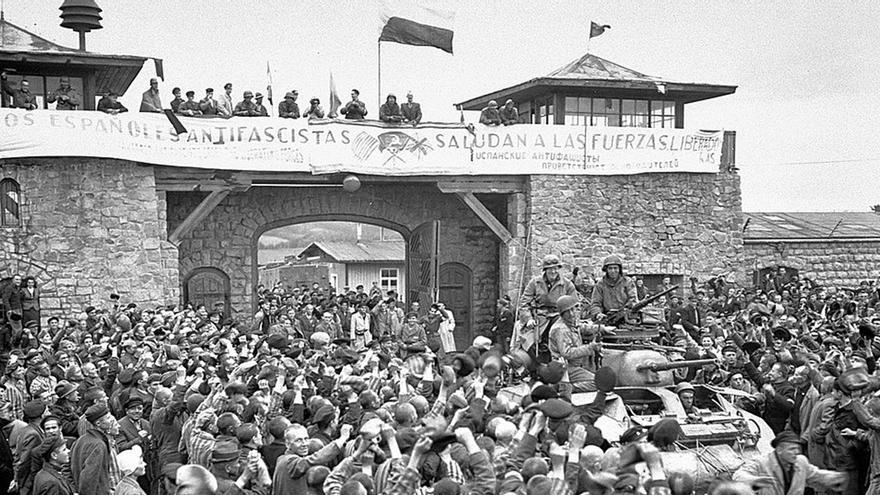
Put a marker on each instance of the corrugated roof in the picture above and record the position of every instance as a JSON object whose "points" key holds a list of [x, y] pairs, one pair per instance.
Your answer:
{"points": [[361, 252], [590, 66], [817, 225]]}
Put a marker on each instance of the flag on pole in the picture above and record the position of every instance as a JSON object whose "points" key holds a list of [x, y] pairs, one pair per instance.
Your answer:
{"points": [[269, 85], [420, 23], [597, 30], [335, 102]]}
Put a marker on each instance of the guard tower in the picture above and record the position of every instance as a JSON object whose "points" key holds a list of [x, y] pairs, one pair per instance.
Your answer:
{"points": [[597, 92], [24, 55]]}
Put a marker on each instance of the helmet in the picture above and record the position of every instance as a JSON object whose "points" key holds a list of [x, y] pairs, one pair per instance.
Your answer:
{"points": [[683, 386], [565, 303], [551, 261], [612, 260]]}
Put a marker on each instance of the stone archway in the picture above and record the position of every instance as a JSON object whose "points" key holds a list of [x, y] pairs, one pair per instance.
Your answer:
{"points": [[226, 238]]}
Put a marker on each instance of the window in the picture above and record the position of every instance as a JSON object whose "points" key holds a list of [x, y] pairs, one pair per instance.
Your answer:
{"points": [[616, 112], [10, 202], [334, 281], [41, 86], [389, 279]]}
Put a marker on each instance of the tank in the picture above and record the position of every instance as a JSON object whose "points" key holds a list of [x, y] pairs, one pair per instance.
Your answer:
{"points": [[719, 440]]}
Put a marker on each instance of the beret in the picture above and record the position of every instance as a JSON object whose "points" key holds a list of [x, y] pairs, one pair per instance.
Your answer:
{"points": [[33, 409], [867, 331], [466, 364], [96, 412], [544, 392], [320, 338], [481, 342], [277, 341], [605, 379], [170, 470], [193, 402], [665, 432], [551, 373], [442, 440], [342, 341], [324, 415], [125, 376], [852, 380], [225, 451], [556, 408]]}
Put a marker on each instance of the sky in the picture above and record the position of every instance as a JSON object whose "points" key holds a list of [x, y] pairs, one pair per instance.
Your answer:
{"points": [[806, 111]]}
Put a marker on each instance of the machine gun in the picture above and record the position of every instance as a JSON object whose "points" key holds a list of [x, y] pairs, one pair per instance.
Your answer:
{"points": [[617, 317], [672, 365]]}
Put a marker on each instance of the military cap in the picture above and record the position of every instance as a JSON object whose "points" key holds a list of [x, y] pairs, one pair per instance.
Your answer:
{"points": [[750, 347], [781, 333], [556, 408], [605, 379], [133, 402], [633, 434], [342, 341], [225, 451], [728, 348], [786, 436], [248, 94], [258, 95], [64, 388], [96, 412], [551, 373], [33, 409]]}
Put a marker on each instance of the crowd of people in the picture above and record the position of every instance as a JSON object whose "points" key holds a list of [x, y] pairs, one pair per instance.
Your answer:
{"points": [[356, 392], [251, 104]]}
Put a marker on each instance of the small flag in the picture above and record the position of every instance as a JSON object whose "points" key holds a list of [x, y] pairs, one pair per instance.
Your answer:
{"points": [[175, 122], [597, 30], [335, 102], [160, 71], [420, 23], [269, 86], [661, 87]]}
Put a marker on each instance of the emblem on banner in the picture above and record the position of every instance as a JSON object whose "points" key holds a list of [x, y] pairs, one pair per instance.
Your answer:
{"points": [[398, 145]]}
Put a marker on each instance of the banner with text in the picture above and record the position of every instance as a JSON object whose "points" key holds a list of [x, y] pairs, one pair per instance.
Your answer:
{"points": [[366, 147]]}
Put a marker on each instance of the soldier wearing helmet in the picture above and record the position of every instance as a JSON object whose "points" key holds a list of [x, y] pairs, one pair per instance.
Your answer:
{"points": [[614, 292], [567, 345], [538, 302]]}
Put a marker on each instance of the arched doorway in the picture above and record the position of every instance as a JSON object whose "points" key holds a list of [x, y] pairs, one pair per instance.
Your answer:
{"points": [[208, 286], [456, 284]]}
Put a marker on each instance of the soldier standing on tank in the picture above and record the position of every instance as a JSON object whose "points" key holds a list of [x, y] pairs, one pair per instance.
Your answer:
{"points": [[614, 292], [537, 307], [567, 345]]}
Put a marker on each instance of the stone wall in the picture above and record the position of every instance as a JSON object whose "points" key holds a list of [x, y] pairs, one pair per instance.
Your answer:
{"points": [[227, 237], [673, 223], [89, 227], [839, 263]]}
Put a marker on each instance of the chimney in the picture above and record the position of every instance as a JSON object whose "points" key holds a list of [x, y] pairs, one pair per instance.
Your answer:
{"points": [[81, 16]]}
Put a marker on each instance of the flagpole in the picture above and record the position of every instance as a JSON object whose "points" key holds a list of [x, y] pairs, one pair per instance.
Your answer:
{"points": [[379, 76]]}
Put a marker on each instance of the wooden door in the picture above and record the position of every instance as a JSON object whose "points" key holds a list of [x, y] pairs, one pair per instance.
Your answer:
{"points": [[422, 253], [456, 283], [208, 286]]}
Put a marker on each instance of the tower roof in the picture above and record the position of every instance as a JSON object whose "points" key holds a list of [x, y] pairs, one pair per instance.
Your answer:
{"points": [[604, 78], [25, 52]]}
